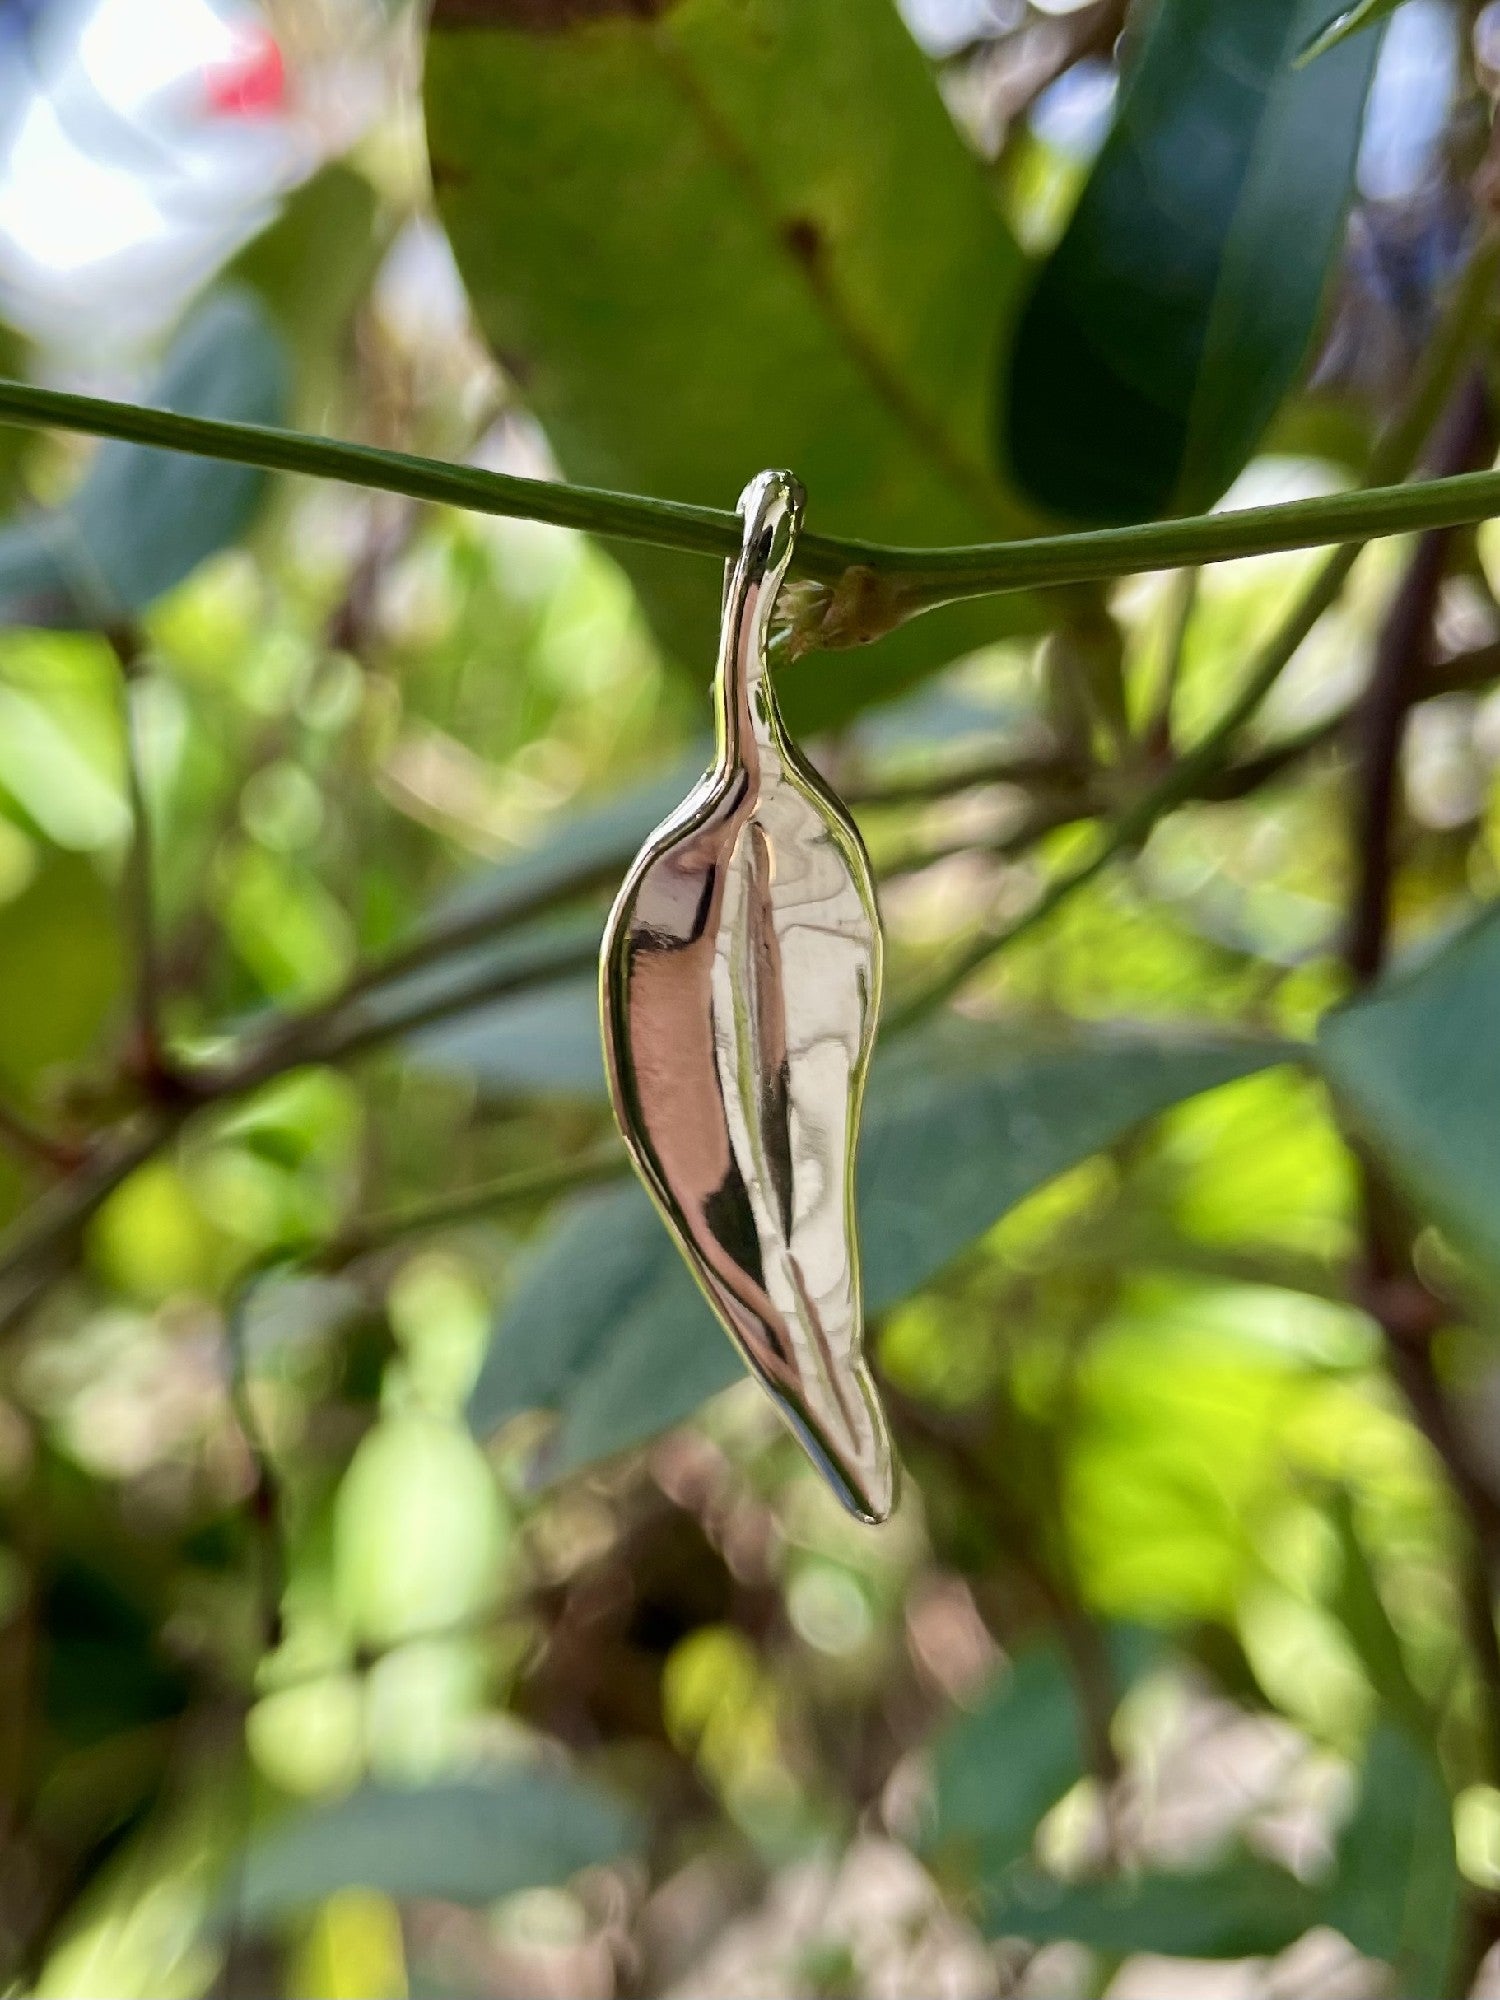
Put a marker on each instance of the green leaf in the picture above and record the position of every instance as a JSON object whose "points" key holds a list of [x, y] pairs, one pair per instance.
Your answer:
{"points": [[1416, 1066], [1396, 1892], [143, 520], [543, 1043], [607, 1327], [535, 957], [998, 1771], [1179, 306], [1346, 21], [310, 269], [61, 949], [465, 1843], [705, 238], [1360, 1609], [1243, 1908], [546, 1040]]}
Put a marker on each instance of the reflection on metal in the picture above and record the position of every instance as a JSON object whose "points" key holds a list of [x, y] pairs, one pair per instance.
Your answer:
{"points": [[740, 982]]}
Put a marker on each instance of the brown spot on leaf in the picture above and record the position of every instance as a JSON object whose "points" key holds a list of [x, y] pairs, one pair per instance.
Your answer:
{"points": [[804, 239], [541, 17], [517, 365], [447, 174]]}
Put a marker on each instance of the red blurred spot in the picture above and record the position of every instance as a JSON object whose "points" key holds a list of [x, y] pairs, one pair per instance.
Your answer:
{"points": [[251, 83]]}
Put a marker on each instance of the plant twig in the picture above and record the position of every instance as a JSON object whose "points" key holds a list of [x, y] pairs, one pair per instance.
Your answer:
{"points": [[529, 1186], [1042, 766], [1157, 734], [28, 1141], [910, 580], [265, 1508], [51, 1226], [148, 1053], [267, 1511]]}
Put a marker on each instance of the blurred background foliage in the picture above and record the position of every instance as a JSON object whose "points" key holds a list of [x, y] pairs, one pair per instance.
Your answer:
{"points": [[400, 1591]]}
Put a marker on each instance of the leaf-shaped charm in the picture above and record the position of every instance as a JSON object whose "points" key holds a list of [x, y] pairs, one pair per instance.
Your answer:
{"points": [[740, 983]]}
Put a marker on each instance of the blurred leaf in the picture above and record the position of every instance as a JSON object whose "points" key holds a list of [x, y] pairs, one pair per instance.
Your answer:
{"points": [[1243, 1908], [546, 1040], [354, 1948], [998, 1771], [966, 1119], [608, 1328], [57, 764], [1416, 1064], [544, 956], [142, 520], [310, 270], [420, 1539], [1343, 22], [1178, 308], [61, 949], [1360, 1609], [698, 250], [1396, 1893], [1191, 1403], [465, 1843]]}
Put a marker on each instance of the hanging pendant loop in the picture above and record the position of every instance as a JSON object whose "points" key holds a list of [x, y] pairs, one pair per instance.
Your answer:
{"points": [[771, 506]]}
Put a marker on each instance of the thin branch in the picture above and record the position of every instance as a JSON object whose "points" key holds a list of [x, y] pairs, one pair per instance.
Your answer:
{"points": [[1182, 781], [673, 524], [29, 1142], [909, 580], [523, 1189], [266, 1508], [1157, 735], [340, 1033], [140, 896], [1004, 767], [50, 1228]]}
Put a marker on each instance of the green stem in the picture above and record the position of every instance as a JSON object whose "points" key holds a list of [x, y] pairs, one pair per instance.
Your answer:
{"points": [[523, 1189], [916, 579]]}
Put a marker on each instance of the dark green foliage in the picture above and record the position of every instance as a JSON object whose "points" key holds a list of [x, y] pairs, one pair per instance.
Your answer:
{"points": [[1177, 310]]}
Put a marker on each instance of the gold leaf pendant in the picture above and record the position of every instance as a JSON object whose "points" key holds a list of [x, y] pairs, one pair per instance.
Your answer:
{"points": [[739, 987]]}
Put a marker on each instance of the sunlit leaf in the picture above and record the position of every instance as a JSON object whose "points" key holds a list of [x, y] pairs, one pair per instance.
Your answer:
{"points": [[1181, 302], [699, 249], [63, 960]]}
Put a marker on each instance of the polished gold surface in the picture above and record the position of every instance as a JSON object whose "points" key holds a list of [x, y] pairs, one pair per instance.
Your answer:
{"points": [[739, 988]]}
